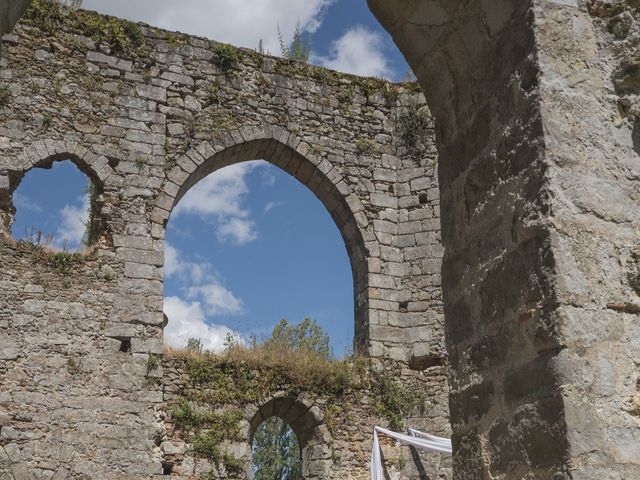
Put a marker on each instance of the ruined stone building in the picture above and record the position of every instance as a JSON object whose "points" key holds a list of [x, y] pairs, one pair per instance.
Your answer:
{"points": [[493, 238]]}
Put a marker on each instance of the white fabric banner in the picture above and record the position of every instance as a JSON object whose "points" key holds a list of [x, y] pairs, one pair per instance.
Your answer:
{"points": [[417, 439]]}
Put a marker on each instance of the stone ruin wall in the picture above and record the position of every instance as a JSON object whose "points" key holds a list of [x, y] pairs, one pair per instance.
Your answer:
{"points": [[334, 430], [145, 122], [536, 108]]}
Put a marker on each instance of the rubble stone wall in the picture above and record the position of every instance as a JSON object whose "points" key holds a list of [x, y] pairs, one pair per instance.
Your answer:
{"points": [[535, 104]]}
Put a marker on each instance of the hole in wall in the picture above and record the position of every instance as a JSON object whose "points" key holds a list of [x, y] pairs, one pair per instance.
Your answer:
{"points": [[275, 451], [125, 345], [53, 208], [167, 468], [422, 362]]}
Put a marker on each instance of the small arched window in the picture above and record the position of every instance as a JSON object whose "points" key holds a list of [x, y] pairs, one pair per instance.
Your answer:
{"points": [[53, 208]]}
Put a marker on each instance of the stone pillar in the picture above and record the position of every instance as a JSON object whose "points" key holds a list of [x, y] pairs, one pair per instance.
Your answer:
{"points": [[536, 106], [10, 13]]}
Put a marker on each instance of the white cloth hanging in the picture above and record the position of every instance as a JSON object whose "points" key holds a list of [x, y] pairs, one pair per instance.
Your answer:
{"points": [[418, 439]]}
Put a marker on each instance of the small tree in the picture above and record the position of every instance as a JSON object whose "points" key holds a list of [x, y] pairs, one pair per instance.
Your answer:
{"points": [[300, 47], [305, 336], [194, 345]]}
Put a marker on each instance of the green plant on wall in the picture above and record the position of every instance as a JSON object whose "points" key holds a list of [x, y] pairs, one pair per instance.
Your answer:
{"points": [[364, 146], [394, 401], [225, 56], [413, 126], [300, 47], [122, 36], [5, 95]]}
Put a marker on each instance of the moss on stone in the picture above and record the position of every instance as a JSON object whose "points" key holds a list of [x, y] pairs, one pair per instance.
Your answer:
{"points": [[225, 56], [123, 36]]}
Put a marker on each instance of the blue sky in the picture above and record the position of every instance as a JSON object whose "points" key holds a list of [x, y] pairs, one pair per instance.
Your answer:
{"points": [[249, 244]]}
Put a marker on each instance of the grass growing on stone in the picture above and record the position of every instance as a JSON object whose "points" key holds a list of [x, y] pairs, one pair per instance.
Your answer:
{"points": [[251, 374], [395, 401], [225, 56], [123, 36], [210, 431], [413, 125], [365, 146]]}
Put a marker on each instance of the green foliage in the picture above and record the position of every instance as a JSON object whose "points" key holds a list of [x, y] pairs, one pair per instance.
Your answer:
{"points": [[5, 95], [64, 261], [413, 125], [174, 40], [364, 146], [300, 47], [187, 417], [225, 56], [395, 401], [213, 92], [297, 357], [122, 36], [140, 163], [194, 345], [307, 336], [211, 431], [345, 96], [276, 452], [169, 164], [45, 14], [153, 361]]}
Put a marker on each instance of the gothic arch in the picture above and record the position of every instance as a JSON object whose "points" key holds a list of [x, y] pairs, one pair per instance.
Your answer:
{"points": [[295, 157]]}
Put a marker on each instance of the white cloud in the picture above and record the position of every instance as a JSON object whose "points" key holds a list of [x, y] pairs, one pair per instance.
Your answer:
{"points": [[22, 202], [74, 219], [237, 231], [206, 297], [239, 22], [176, 265], [268, 178], [172, 261], [218, 300], [220, 200], [271, 205], [187, 320], [360, 52]]}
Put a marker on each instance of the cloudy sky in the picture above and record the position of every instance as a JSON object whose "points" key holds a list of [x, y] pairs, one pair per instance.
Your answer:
{"points": [[249, 244], [346, 36]]}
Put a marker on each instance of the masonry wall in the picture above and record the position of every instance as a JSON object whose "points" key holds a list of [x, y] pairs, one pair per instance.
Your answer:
{"points": [[536, 111], [334, 426], [145, 114]]}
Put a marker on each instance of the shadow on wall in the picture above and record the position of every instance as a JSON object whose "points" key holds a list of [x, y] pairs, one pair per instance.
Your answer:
{"points": [[10, 12]]}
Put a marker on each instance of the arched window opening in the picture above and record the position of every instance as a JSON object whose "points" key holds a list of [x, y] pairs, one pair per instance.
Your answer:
{"points": [[54, 207], [247, 246], [276, 452]]}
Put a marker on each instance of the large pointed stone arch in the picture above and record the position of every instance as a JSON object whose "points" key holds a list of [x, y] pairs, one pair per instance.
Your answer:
{"points": [[288, 152]]}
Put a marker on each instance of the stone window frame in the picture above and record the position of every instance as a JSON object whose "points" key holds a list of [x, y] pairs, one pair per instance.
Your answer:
{"points": [[43, 154]]}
